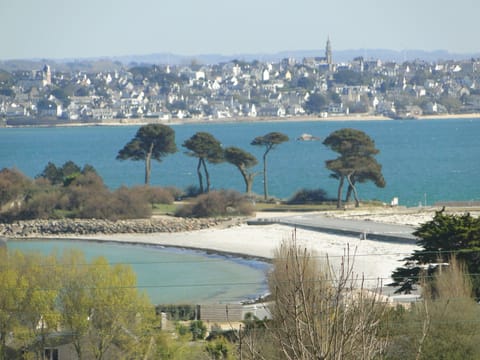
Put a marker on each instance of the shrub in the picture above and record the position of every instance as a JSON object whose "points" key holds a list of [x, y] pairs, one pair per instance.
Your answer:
{"points": [[127, 203], [97, 207], [42, 205], [13, 185], [79, 194], [181, 312], [217, 203], [198, 330], [89, 198], [85, 193], [308, 196], [192, 191], [176, 192], [155, 194]]}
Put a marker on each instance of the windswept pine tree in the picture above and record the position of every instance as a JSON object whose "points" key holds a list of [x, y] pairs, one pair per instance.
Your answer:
{"points": [[356, 162], [243, 161], [152, 141], [206, 148], [269, 141]]}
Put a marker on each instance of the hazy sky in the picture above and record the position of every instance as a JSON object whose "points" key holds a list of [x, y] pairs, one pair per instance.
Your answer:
{"points": [[90, 28]]}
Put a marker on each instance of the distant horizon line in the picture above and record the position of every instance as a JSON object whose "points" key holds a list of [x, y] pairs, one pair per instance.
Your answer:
{"points": [[241, 55]]}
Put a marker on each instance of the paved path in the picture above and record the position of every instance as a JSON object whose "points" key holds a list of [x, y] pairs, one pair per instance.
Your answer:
{"points": [[358, 228]]}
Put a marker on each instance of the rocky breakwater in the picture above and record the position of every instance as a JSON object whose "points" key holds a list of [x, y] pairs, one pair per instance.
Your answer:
{"points": [[67, 227]]}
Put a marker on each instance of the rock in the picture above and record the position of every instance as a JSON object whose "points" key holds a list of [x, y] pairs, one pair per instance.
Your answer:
{"points": [[66, 227]]}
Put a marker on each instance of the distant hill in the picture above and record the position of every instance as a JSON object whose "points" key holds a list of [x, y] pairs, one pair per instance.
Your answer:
{"points": [[115, 62], [339, 56]]}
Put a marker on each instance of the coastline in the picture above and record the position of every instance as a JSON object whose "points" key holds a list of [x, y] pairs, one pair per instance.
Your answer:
{"points": [[306, 118], [373, 261]]}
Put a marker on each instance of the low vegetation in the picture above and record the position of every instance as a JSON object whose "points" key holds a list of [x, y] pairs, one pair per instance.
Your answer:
{"points": [[309, 196], [72, 192], [69, 191], [180, 312], [443, 325], [217, 203]]}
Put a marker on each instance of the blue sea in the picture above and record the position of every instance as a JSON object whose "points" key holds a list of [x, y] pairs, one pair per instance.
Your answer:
{"points": [[424, 161]]}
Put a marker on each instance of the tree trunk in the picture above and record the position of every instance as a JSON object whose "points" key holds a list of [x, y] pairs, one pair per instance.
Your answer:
{"points": [[199, 173], [78, 348], [339, 192], [349, 193], [249, 183], [148, 165], [349, 190], [207, 175], [147, 169], [354, 189], [247, 178]]}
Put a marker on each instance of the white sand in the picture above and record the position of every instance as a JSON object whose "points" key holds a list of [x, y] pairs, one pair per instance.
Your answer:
{"points": [[374, 259]]}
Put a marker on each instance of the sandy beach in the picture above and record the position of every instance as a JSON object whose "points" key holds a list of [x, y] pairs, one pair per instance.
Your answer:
{"points": [[246, 119], [331, 118], [373, 260]]}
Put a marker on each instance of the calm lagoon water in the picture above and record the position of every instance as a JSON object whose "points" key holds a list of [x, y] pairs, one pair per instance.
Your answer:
{"points": [[171, 275], [432, 160]]}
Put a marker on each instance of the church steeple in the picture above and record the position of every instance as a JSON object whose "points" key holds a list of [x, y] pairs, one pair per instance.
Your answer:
{"points": [[328, 53]]}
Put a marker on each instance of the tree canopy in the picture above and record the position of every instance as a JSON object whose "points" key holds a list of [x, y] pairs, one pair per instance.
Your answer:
{"points": [[306, 82], [269, 141], [356, 161], [349, 77], [64, 174], [243, 160], [206, 148], [97, 303], [152, 141], [315, 103], [439, 239]]}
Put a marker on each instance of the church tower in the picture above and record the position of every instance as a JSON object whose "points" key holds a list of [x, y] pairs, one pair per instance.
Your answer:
{"points": [[328, 54], [46, 75]]}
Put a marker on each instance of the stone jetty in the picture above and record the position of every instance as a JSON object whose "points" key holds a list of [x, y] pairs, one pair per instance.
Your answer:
{"points": [[66, 227]]}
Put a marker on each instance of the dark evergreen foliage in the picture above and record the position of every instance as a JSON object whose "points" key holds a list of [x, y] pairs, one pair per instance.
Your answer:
{"points": [[309, 196], [316, 103], [441, 238], [152, 141], [356, 162], [206, 148], [242, 160]]}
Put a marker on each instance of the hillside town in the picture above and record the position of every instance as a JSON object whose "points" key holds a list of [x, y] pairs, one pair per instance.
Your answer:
{"points": [[236, 90]]}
